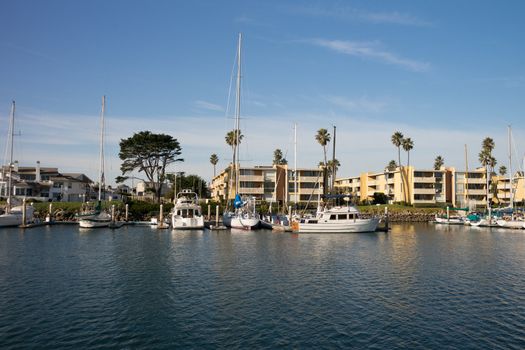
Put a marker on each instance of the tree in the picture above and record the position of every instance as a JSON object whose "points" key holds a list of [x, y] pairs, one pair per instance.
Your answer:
{"points": [[439, 162], [278, 158], [151, 154], [323, 137], [408, 145], [487, 160], [232, 140], [214, 160], [190, 182], [392, 165], [397, 140]]}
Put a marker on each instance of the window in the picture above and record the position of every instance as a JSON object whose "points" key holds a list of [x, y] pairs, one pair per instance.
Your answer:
{"points": [[309, 173], [341, 216]]}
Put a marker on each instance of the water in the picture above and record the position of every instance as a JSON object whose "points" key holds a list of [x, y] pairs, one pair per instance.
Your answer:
{"points": [[418, 287]]}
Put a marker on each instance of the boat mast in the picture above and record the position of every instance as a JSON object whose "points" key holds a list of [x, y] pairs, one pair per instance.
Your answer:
{"points": [[332, 190], [238, 115], [511, 199], [465, 191], [11, 134], [101, 165], [295, 164]]}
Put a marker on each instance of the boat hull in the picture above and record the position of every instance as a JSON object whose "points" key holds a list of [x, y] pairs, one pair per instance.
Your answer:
{"points": [[95, 221], [516, 224], [14, 218], [343, 226], [245, 223], [179, 223]]}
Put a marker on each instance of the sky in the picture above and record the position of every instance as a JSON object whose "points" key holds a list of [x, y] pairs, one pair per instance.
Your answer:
{"points": [[444, 73]]}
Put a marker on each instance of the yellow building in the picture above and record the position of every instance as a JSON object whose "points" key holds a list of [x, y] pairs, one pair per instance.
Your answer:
{"points": [[414, 186], [424, 186], [270, 183], [504, 188]]}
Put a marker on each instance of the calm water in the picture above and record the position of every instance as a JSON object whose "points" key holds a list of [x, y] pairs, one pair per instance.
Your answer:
{"points": [[419, 286]]}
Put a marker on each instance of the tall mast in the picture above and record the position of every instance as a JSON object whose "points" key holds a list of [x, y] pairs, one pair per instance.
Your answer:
{"points": [[101, 165], [11, 135], [333, 165], [295, 163], [465, 191], [238, 115], [510, 170]]}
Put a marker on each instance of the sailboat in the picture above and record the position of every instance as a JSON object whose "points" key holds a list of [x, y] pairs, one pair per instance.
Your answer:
{"points": [[335, 219], [244, 215], [14, 215], [99, 217], [511, 221]]}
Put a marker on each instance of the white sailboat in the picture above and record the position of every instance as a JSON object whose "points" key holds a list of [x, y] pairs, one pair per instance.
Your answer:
{"points": [[186, 214], [99, 218], [511, 221], [14, 215], [244, 216]]}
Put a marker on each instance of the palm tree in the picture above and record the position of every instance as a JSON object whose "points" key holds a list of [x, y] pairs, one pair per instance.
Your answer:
{"points": [[488, 144], [485, 158], [214, 160], [397, 140], [438, 162], [278, 157], [330, 164], [503, 172], [408, 145], [231, 138], [323, 137], [392, 165]]}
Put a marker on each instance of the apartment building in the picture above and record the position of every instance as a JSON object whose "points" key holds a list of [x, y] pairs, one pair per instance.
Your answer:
{"points": [[270, 183], [507, 189], [414, 186]]}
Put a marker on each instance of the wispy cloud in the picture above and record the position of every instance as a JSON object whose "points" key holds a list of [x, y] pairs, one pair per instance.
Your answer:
{"points": [[361, 104], [354, 14], [208, 106], [371, 50]]}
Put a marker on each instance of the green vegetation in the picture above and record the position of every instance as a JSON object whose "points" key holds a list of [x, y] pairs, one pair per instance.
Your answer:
{"points": [[151, 154]]}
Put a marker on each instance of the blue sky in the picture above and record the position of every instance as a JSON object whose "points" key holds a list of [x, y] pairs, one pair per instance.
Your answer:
{"points": [[445, 73]]}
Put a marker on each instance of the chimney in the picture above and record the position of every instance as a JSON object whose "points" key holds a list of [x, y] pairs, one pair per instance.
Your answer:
{"points": [[37, 172]]}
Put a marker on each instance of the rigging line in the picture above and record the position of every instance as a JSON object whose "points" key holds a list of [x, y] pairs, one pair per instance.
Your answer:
{"points": [[230, 88]]}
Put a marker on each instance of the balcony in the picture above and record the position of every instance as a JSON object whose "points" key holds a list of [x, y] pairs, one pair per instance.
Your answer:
{"points": [[425, 180], [431, 191], [252, 178], [476, 181], [244, 190], [310, 178], [477, 192], [371, 182]]}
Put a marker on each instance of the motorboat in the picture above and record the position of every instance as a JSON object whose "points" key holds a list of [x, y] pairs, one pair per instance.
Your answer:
{"points": [[343, 219], [186, 214]]}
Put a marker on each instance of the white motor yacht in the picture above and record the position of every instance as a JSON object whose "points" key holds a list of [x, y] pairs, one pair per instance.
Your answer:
{"points": [[186, 214], [345, 219]]}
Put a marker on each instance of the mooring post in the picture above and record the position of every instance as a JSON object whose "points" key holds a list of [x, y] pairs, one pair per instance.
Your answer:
{"points": [[24, 212], [217, 215], [161, 218], [386, 219], [209, 212], [113, 213], [50, 214], [127, 211]]}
